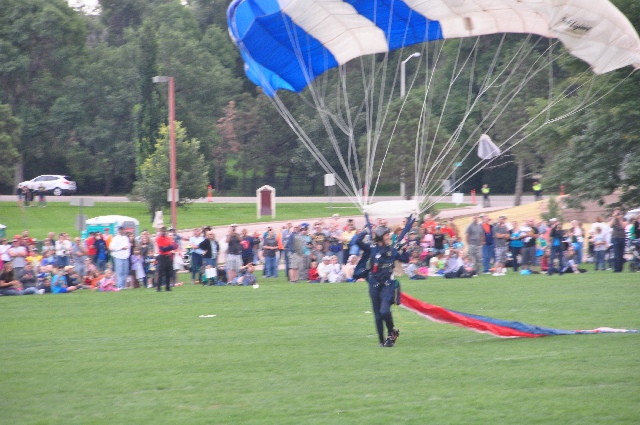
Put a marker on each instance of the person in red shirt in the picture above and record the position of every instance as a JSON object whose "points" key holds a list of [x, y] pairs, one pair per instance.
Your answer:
{"points": [[166, 247], [447, 230], [314, 276], [26, 239], [90, 244], [429, 222]]}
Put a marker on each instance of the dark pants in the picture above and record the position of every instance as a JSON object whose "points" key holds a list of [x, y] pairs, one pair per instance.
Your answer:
{"points": [[196, 265], [165, 271], [515, 251], [487, 256], [381, 301], [555, 251], [618, 253], [459, 274]]}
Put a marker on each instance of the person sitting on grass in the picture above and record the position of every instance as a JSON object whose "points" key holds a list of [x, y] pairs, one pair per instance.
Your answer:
{"points": [[335, 270], [437, 265], [544, 260], [314, 276], [323, 269], [247, 277], [60, 282], [414, 271], [108, 282], [10, 285], [456, 267], [349, 268], [469, 267], [571, 263], [29, 278]]}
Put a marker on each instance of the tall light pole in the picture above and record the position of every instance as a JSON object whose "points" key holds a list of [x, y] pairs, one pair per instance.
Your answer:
{"points": [[402, 72], [402, 94], [172, 147]]}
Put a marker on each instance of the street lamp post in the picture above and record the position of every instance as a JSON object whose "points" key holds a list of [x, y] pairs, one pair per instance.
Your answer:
{"points": [[402, 94], [172, 147], [402, 72]]}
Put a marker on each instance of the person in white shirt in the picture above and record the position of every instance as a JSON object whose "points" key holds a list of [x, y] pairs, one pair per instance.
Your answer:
{"points": [[335, 271], [63, 251], [196, 255], [323, 269], [4, 251], [120, 248]]}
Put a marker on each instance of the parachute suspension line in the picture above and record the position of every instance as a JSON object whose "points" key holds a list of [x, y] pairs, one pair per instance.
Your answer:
{"points": [[438, 167], [422, 163], [568, 92], [327, 119], [507, 100], [449, 145], [382, 111], [353, 169], [352, 154], [304, 138], [455, 75], [550, 53], [306, 141], [499, 99], [486, 85], [382, 119]]}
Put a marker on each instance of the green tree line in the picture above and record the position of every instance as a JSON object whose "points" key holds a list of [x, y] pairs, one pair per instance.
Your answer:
{"points": [[77, 98]]}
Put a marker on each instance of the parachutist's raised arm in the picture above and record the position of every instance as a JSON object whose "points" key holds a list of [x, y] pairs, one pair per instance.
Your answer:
{"points": [[365, 247]]}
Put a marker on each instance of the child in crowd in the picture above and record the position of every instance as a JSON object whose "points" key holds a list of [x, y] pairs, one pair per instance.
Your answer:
{"points": [[599, 243], [60, 283], [323, 269], [314, 276], [44, 285], [544, 260], [334, 274], [108, 282], [247, 278], [571, 264], [415, 271], [349, 268], [137, 266], [469, 267], [210, 275], [436, 265]]}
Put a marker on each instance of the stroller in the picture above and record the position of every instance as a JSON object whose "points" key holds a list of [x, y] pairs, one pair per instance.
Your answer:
{"points": [[633, 256]]}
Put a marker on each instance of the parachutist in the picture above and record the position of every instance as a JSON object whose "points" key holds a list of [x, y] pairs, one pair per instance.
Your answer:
{"points": [[383, 287]]}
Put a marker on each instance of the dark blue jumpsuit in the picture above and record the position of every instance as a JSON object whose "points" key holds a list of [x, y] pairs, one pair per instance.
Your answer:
{"points": [[381, 282]]}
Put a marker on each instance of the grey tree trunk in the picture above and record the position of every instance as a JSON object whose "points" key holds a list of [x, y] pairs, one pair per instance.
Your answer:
{"points": [[519, 183], [18, 174]]}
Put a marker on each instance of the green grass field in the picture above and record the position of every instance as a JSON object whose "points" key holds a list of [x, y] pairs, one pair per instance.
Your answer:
{"points": [[307, 354], [60, 217]]}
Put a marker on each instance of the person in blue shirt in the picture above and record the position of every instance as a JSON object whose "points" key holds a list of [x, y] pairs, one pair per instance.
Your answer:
{"points": [[555, 240], [515, 245], [382, 287]]}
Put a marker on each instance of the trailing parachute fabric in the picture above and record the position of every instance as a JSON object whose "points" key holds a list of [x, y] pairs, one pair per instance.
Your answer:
{"points": [[489, 325], [286, 44], [487, 149]]}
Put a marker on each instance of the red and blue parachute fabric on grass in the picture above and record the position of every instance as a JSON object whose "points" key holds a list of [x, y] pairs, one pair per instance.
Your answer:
{"points": [[489, 325]]}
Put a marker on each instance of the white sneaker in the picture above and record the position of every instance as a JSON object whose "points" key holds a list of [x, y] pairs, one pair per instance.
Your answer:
{"points": [[498, 274], [40, 291]]}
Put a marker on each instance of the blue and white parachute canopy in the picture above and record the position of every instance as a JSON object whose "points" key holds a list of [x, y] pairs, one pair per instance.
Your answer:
{"points": [[286, 44]]}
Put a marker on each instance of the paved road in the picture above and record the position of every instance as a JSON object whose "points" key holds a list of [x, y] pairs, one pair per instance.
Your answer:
{"points": [[503, 201]]}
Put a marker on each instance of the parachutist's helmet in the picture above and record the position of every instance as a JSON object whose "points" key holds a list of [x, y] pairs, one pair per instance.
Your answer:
{"points": [[380, 232]]}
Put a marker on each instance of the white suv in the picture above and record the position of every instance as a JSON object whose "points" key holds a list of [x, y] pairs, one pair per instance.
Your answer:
{"points": [[58, 185]]}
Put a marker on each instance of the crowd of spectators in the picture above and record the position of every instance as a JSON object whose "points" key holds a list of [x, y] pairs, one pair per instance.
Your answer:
{"points": [[321, 252]]}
